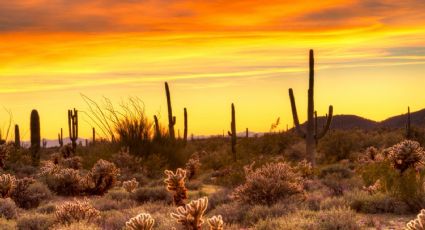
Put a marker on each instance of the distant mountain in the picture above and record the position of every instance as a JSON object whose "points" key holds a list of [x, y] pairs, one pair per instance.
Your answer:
{"points": [[416, 118]]}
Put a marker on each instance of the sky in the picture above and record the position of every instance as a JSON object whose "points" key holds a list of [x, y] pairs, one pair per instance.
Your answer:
{"points": [[370, 59]]}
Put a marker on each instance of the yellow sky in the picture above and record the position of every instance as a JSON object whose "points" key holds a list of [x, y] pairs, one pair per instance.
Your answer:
{"points": [[370, 59]]}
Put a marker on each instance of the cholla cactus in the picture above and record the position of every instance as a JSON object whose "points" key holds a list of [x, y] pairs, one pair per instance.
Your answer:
{"points": [[373, 188], [176, 183], [192, 166], [190, 216], [5, 152], [372, 154], [7, 184], [142, 221], [406, 154], [130, 185], [101, 177], [216, 223], [76, 211], [418, 223], [304, 168]]}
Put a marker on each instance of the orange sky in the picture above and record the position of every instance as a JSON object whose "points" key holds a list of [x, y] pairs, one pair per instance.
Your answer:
{"points": [[370, 58]]}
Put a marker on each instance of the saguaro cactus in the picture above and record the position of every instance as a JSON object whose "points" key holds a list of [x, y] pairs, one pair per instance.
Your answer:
{"points": [[44, 141], [73, 127], [157, 128], [408, 127], [311, 135], [171, 118], [60, 138], [232, 133], [35, 137], [94, 135], [246, 133], [17, 137], [185, 126]]}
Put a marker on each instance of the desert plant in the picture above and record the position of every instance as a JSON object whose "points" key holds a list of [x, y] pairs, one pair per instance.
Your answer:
{"points": [[7, 185], [76, 211], [63, 181], [35, 137], [60, 138], [232, 133], [269, 183], [17, 137], [190, 215], [8, 208], [185, 126], [192, 166], [29, 194], [101, 177], [6, 151], [35, 221], [171, 118], [176, 182], [406, 154], [418, 223], [143, 221], [215, 223], [73, 127], [130, 185]]}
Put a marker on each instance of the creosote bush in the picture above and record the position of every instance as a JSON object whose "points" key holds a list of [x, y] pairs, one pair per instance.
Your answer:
{"points": [[190, 216], [175, 182], [143, 221], [76, 211], [268, 184]]}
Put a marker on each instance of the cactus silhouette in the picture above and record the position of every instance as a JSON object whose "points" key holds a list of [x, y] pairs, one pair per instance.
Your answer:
{"points": [[157, 128], [60, 138], [185, 126], [408, 127], [73, 127], [311, 135], [232, 133], [17, 137], [171, 118], [246, 133], [94, 135], [35, 137]]}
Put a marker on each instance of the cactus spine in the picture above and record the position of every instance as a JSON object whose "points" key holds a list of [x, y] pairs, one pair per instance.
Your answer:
{"points": [[35, 137], [185, 126], [60, 138], [171, 118], [73, 127], [17, 137], [408, 127], [232, 133], [311, 135]]}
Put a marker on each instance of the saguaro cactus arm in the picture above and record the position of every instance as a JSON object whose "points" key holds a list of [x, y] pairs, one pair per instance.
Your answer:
{"points": [[295, 114], [185, 125], [328, 124], [171, 118]]}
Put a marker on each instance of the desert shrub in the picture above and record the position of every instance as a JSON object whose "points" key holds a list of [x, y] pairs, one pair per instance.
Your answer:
{"points": [[296, 152], [101, 177], [268, 184], [8, 208], [222, 196], [114, 219], [131, 185], [339, 145], [259, 212], [6, 224], [287, 223], [333, 203], [47, 208], [63, 181], [194, 185], [127, 163], [191, 214], [105, 204], [6, 150], [78, 226], [150, 194], [72, 162], [232, 212], [341, 170], [35, 222], [192, 166], [76, 211], [142, 221], [118, 195], [337, 219], [7, 184], [362, 201], [29, 194]]}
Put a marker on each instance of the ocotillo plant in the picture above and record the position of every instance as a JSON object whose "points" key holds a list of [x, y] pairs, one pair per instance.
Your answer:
{"points": [[17, 137], [35, 137], [60, 138], [94, 135], [232, 133], [185, 126], [73, 127], [171, 118], [408, 127], [311, 135]]}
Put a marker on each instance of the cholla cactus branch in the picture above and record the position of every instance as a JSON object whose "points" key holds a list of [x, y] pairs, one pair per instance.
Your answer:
{"points": [[142, 221], [190, 216], [418, 223], [215, 223], [176, 182], [76, 211], [406, 154], [130, 185], [7, 184]]}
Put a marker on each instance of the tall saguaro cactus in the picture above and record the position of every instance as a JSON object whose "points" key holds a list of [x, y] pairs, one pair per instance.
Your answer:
{"points": [[35, 137], [185, 126], [311, 135], [232, 133], [60, 138], [157, 128], [94, 135], [171, 118], [73, 127], [408, 126], [17, 137]]}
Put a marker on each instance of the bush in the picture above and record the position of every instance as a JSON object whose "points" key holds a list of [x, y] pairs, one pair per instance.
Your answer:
{"points": [[78, 226], [150, 194], [8, 208], [337, 219], [76, 211], [35, 221], [105, 204], [63, 181], [7, 184], [29, 193], [364, 202], [6, 224], [269, 184], [101, 177], [333, 203], [232, 213]]}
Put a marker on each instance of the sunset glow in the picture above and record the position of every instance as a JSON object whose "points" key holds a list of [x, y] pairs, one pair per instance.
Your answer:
{"points": [[370, 59]]}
